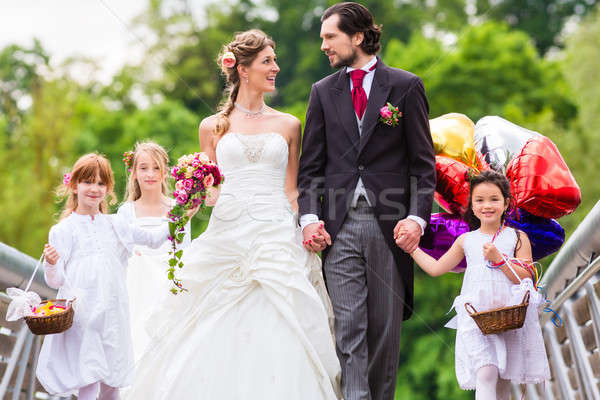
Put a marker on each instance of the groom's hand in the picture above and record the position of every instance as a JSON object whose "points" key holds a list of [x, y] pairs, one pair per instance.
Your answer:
{"points": [[407, 235], [316, 238]]}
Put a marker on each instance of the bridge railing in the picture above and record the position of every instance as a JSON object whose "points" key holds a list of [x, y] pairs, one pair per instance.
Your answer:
{"points": [[571, 282], [19, 348], [572, 285]]}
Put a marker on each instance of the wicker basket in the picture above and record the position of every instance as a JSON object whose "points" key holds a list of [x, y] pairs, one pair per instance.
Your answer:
{"points": [[501, 319], [55, 323]]}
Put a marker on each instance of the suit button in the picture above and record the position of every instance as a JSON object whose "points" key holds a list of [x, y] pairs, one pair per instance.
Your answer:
{"points": [[361, 167]]}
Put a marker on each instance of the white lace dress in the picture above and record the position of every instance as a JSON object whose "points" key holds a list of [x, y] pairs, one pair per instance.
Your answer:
{"points": [[519, 354], [147, 281], [93, 257], [252, 326]]}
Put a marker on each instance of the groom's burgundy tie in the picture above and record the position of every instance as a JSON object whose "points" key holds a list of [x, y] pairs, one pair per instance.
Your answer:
{"points": [[359, 97]]}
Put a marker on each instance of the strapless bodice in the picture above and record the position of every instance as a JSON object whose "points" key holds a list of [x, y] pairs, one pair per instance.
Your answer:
{"points": [[253, 163], [254, 167]]}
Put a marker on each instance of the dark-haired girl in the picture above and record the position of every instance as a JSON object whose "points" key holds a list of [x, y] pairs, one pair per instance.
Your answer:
{"points": [[493, 279]]}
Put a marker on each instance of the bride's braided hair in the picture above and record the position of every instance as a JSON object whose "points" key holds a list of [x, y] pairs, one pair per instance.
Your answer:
{"points": [[245, 47]]}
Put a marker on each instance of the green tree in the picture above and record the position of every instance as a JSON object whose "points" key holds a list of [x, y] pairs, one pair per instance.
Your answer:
{"points": [[583, 141], [19, 79], [490, 71], [542, 19]]}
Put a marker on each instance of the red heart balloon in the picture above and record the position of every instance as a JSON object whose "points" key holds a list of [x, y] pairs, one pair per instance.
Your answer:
{"points": [[541, 182], [452, 187]]}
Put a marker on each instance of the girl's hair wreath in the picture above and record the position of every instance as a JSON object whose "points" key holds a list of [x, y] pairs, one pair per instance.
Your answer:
{"points": [[128, 160]]}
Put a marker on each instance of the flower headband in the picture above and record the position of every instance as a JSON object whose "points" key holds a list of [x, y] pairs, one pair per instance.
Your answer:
{"points": [[228, 60], [128, 160], [67, 179]]}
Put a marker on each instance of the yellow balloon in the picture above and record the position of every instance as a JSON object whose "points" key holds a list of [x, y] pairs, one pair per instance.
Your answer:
{"points": [[453, 136]]}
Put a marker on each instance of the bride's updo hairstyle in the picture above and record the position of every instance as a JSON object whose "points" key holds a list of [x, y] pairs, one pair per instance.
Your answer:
{"points": [[241, 51]]}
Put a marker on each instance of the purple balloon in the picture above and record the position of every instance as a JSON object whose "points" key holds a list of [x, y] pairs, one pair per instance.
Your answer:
{"points": [[442, 231], [546, 235]]}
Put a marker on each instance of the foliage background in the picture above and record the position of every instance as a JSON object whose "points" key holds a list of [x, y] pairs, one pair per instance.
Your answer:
{"points": [[532, 62]]}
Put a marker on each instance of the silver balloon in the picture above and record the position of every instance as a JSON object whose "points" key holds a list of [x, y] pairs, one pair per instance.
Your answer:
{"points": [[499, 140]]}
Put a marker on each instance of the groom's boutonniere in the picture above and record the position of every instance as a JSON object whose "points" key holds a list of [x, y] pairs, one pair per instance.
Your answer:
{"points": [[390, 115]]}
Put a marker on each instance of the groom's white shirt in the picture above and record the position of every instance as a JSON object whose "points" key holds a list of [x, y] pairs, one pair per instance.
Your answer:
{"points": [[308, 219]]}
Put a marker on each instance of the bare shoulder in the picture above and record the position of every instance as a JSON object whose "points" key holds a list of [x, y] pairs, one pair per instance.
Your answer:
{"points": [[290, 125], [522, 235], [208, 124], [460, 240]]}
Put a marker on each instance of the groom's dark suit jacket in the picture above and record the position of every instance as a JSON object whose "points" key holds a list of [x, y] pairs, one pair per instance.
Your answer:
{"points": [[396, 164]]}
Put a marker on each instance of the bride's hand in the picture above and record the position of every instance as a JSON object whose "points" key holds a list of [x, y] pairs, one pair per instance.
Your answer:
{"points": [[192, 211], [212, 194], [316, 238]]}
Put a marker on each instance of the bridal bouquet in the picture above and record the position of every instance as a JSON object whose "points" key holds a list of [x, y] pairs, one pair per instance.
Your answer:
{"points": [[194, 174]]}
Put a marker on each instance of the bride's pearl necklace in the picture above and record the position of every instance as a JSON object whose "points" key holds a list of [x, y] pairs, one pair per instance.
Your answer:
{"points": [[250, 113]]}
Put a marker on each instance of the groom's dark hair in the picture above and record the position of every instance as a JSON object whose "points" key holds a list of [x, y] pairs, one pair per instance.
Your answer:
{"points": [[356, 18]]}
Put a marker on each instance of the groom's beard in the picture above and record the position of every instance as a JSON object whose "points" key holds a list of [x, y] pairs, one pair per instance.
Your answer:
{"points": [[346, 61]]}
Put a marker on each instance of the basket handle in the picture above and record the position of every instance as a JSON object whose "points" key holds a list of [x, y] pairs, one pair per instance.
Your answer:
{"points": [[37, 266], [69, 301], [525, 298], [508, 264], [472, 309]]}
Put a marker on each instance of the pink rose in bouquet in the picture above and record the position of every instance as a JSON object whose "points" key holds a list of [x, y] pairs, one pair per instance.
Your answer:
{"points": [[194, 174], [208, 181]]}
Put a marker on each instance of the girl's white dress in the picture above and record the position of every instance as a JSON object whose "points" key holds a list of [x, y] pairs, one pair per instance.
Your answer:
{"points": [[519, 354], [93, 257], [147, 281], [255, 321]]}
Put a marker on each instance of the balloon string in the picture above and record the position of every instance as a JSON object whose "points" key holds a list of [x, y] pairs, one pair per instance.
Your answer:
{"points": [[554, 317]]}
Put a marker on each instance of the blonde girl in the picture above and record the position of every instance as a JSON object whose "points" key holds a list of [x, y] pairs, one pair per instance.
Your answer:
{"points": [[147, 206], [86, 255]]}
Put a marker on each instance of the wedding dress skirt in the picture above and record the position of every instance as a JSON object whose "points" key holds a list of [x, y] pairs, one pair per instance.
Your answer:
{"points": [[255, 321]]}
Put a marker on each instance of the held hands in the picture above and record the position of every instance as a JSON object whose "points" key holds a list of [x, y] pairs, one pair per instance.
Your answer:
{"points": [[491, 253], [50, 254], [407, 235], [316, 238]]}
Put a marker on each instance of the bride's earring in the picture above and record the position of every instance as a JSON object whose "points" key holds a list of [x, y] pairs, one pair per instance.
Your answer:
{"points": [[246, 80]]}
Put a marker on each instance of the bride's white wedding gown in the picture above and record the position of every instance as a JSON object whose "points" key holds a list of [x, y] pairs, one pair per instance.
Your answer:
{"points": [[255, 322]]}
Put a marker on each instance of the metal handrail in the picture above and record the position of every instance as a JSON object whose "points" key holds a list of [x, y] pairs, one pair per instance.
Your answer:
{"points": [[575, 254], [573, 287], [15, 270]]}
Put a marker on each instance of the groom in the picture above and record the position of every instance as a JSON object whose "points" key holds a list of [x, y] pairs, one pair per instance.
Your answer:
{"points": [[372, 186]]}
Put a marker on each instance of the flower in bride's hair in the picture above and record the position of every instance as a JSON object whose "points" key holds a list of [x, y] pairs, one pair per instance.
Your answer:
{"points": [[67, 179], [228, 60]]}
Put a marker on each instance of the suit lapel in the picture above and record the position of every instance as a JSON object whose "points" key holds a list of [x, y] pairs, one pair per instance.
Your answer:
{"points": [[343, 102], [380, 91]]}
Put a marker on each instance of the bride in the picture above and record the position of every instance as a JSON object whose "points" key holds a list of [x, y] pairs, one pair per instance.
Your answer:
{"points": [[256, 322]]}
